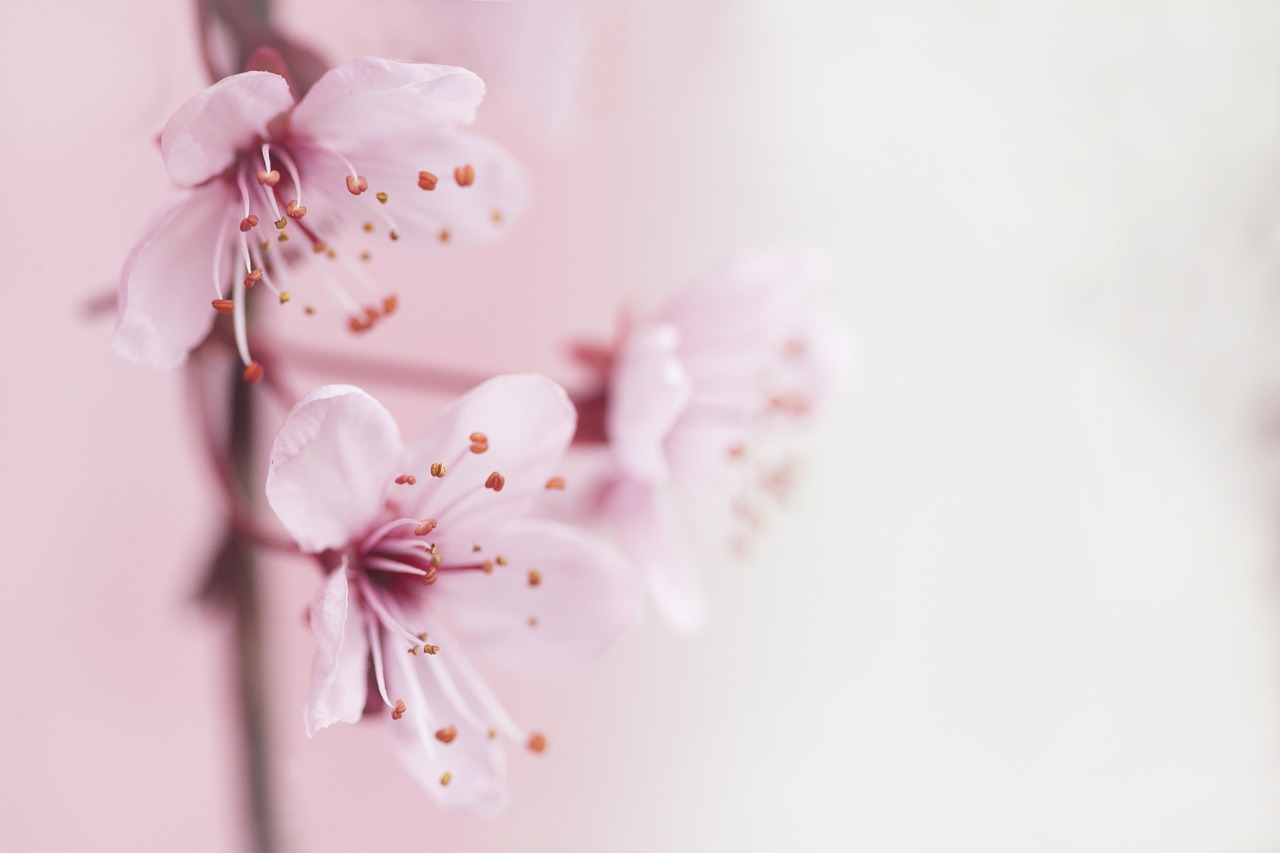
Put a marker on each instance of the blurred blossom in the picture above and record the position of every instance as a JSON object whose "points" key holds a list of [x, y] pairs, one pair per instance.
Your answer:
{"points": [[706, 406], [432, 557], [372, 151]]}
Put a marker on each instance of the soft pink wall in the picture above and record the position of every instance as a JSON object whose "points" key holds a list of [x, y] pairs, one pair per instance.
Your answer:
{"points": [[1026, 598]]}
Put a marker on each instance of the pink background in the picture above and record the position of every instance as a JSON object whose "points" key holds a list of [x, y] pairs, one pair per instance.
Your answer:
{"points": [[1026, 599]]}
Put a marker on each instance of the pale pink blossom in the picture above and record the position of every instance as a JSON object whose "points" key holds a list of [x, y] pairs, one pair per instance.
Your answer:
{"points": [[706, 406], [435, 563], [374, 149]]}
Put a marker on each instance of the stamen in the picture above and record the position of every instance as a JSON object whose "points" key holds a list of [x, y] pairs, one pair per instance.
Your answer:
{"points": [[406, 479], [535, 577], [254, 276], [253, 373], [356, 184], [281, 223], [556, 483], [393, 566], [496, 216], [430, 650], [393, 234], [496, 481], [425, 527], [390, 304], [297, 185], [437, 469], [241, 334], [445, 778], [249, 222], [537, 742], [294, 210], [427, 181], [268, 179], [219, 253], [224, 306], [284, 296], [368, 227], [533, 622], [444, 235], [381, 197], [398, 711], [375, 646], [479, 442], [500, 560], [464, 175], [447, 734]]}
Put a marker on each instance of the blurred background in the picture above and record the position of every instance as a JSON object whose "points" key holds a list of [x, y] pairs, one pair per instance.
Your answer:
{"points": [[1026, 598]]}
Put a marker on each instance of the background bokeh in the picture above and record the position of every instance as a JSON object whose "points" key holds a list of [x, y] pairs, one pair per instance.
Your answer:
{"points": [[1027, 596]]}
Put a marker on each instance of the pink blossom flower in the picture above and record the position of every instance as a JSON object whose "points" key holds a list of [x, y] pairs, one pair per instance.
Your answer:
{"points": [[705, 407], [373, 149], [435, 563]]}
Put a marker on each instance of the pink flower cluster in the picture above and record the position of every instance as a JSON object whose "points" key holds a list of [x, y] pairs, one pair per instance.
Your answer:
{"points": [[470, 546]]}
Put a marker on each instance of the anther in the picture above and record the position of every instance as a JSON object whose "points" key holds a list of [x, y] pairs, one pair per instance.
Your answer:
{"points": [[737, 451], [423, 636], [365, 256], [390, 304], [254, 276], [496, 481], [224, 306], [248, 223], [437, 469], [430, 650], [414, 650], [445, 778], [309, 310], [492, 734], [537, 742], [331, 253], [475, 549], [444, 235], [368, 227], [393, 234], [464, 175], [284, 296], [319, 246], [500, 560], [281, 223], [535, 577], [430, 577], [406, 479], [398, 711], [427, 181], [264, 244], [487, 567], [425, 527], [533, 621], [294, 210], [479, 442], [381, 197], [268, 179], [359, 324], [556, 483], [447, 734], [284, 235], [496, 216], [356, 184], [437, 561], [253, 373]]}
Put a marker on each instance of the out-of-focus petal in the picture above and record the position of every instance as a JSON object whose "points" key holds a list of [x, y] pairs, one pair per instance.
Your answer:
{"points": [[649, 389], [452, 213], [561, 599], [162, 313], [329, 464], [647, 531], [527, 422], [339, 685], [474, 762], [369, 99], [201, 139]]}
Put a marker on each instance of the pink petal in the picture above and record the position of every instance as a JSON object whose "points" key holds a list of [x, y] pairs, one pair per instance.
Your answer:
{"points": [[368, 99], [475, 762], [167, 283], [579, 591], [648, 391], [339, 681], [528, 421], [481, 211], [646, 529], [329, 464], [203, 137]]}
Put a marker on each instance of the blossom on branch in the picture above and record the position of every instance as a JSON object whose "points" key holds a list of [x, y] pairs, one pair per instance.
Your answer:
{"points": [[705, 407], [373, 150], [435, 563]]}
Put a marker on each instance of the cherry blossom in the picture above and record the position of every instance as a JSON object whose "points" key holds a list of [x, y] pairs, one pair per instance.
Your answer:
{"points": [[373, 150], [434, 562], [706, 406]]}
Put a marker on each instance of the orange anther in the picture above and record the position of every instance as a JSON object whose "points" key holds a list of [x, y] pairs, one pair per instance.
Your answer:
{"points": [[398, 711], [437, 469], [537, 742], [248, 222], [309, 310], [500, 560], [390, 304], [556, 483], [425, 527], [444, 235], [294, 210], [464, 175], [393, 234], [429, 578], [535, 577], [356, 184], [368, 227], [406, 480], [381, 197], [268, 179], [496, 216], [253, 373], [487, 567], [427, 181], [254, 276], [447, 734], [430, 650], [224, 306], [319, 247], [445, 778], [496, 481], [479, 442]]}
